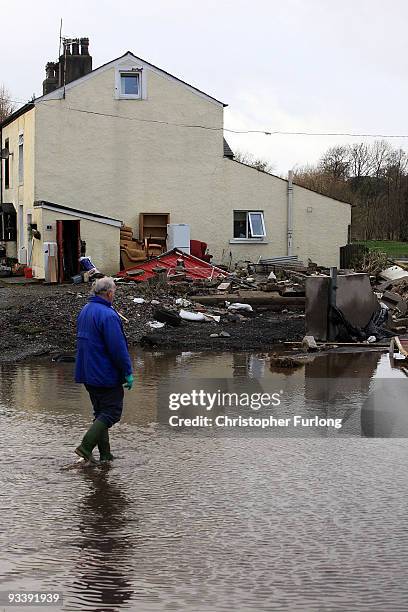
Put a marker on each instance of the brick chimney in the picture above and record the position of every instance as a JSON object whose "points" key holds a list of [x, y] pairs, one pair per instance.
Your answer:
{"points": [[52, 77], [74, 62]]}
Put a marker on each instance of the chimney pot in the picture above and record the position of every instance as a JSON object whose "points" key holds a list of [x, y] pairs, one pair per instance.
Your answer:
{"points": [[84, 46], [75, 46], [51, 81], [67, 46], [74, 65]]}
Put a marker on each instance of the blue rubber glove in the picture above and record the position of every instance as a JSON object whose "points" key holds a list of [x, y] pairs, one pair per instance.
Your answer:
{"points": [[129, 381]]}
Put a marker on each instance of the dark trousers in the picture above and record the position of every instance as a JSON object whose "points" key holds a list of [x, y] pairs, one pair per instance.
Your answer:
{"points": [[107, 403]]}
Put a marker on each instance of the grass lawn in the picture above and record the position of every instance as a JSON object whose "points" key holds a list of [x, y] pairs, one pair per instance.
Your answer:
{"points": [[391, 247]]}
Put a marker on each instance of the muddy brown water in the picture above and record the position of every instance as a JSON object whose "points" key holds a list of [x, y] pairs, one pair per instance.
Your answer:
{"points": [[198, 522]]}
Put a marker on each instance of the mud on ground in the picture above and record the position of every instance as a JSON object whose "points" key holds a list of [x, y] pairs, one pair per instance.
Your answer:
{"points": [[40, 320]]}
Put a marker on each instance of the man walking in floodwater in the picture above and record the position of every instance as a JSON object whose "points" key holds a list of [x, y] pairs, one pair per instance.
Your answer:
{"points": [[103, 365]]}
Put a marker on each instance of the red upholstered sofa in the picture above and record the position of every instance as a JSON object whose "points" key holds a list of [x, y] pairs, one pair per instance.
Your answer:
{"points": [[198, 249]]}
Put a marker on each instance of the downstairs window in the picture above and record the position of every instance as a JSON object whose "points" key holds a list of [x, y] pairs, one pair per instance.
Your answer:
{"points": [[249, 224]]}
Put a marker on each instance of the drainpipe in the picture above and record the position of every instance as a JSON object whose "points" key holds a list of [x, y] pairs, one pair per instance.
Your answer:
{"points": [[332, 303], [290, 212]]}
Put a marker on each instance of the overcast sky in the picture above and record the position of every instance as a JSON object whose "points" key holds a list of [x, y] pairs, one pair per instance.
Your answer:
{"points": [[292, 65]]}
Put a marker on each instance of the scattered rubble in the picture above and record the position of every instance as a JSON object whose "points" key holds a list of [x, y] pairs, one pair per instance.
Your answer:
{"points": [[41, 320], [192, 305], [309, 344]]}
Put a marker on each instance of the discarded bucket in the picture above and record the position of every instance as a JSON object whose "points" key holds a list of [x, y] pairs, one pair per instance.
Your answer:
{"points": [[28, 272]]}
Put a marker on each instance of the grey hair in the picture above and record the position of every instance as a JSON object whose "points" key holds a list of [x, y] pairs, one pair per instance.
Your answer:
{"points": [[103, 285]]}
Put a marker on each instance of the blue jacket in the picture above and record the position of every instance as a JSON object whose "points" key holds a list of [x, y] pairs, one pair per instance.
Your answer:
{"points": [[102, 353]]}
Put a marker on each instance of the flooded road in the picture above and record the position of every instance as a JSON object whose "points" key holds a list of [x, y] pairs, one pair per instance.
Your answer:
{"points": [[186, 521]]}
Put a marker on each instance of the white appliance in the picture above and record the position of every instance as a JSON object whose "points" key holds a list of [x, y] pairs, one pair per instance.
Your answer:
{"points": [[178, 237], [50, 251]]}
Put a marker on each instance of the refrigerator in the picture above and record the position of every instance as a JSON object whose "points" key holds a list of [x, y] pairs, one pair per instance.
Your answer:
{"points": [[50, 262], [178, 237]]}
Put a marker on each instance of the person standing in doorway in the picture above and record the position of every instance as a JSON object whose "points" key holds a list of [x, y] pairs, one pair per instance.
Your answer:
{"points": [[103, 365]]}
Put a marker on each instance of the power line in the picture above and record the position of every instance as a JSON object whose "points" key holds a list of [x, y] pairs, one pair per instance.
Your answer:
{"points": [[222, 129]]}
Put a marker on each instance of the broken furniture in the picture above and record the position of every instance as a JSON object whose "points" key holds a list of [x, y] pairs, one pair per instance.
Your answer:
{"points": [[131, 255], [126, 233], [199, 249], [153, 227], [152, 249], [131, 250]]}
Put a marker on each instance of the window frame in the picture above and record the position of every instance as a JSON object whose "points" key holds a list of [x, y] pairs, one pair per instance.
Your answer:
{"points": [[249, 222], [21, 159], [130, 72], [7, 168], [248, 227]]}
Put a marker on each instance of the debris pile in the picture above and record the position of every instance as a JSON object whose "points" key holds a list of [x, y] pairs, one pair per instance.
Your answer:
{"points": [[391, 288], [181, 302]]}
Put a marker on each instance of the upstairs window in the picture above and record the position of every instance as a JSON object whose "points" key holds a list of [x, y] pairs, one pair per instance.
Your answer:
{"points": [[249, 224], [21, 159], [130, 85], [7, 166]]}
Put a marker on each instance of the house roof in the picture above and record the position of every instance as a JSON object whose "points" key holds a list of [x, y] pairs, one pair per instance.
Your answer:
{"points": [[76, 212], [174, 77], [286, 180], [117, 59], [17, 113], [31, 105], [228, 152]]}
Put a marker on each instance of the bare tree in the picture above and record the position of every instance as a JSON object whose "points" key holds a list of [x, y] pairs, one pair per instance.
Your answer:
{"points": [[360, 159], [336, 162], [6, 105], [263, 165], [313, 177], [371, 177]]}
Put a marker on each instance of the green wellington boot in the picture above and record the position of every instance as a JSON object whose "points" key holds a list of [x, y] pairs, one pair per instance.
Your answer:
{"points": [[104, 447], [90, 440]]}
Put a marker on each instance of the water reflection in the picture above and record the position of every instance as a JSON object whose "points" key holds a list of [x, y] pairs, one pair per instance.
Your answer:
{"points": [[46, 390], [101, 576], [186, 522]]}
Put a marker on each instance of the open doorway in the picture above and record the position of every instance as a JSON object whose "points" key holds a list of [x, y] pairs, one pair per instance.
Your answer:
{"points": [[8, 226], [69, 249]]}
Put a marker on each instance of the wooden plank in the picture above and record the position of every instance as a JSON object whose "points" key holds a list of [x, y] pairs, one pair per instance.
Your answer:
{"points": [[400, 347], [249, 297]]}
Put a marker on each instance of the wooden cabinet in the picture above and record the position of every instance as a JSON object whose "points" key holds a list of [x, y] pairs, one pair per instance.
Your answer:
{"points": [[153, 226]]}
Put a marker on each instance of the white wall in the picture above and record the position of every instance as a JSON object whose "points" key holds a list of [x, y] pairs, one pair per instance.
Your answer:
{"points": [[121, 167], [21, 194], [320, 226]]}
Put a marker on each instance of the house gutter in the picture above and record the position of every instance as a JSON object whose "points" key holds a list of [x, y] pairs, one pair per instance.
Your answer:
{"points": [[290, 213]]}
